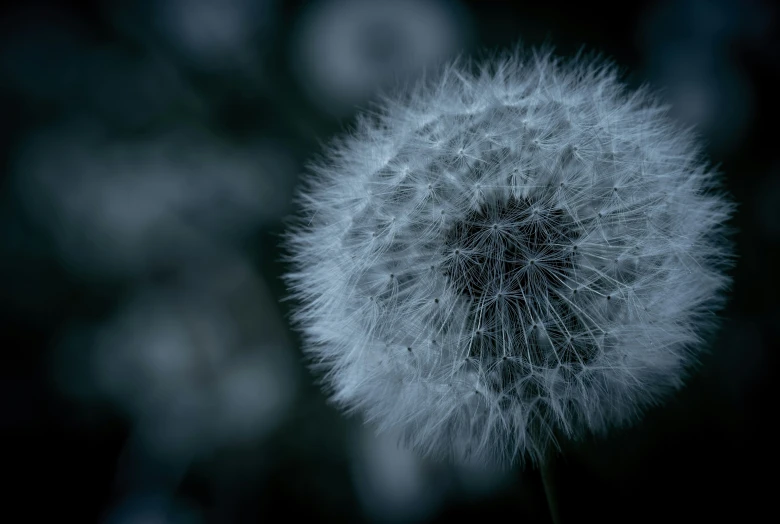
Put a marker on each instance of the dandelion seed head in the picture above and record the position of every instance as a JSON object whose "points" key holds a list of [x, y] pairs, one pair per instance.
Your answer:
{"points": [[502, 256]]}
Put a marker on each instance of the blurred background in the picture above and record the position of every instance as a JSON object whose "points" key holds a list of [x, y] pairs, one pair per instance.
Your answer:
{"points": [[150, 150]]}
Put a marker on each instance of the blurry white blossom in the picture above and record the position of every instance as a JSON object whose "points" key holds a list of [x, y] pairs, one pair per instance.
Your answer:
{"points": [[212, 35], [393, 483], [119, 207], [690, 49], [194, 365], [344, 51]]}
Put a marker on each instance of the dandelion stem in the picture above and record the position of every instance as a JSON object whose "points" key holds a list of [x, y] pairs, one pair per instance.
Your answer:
{"points": [[549, 490]]}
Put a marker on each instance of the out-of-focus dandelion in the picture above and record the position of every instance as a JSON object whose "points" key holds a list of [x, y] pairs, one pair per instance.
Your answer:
{"points": [[122, 207], [344, 51], [215, 36], [393, 483], [194, 365], [689, 49]]}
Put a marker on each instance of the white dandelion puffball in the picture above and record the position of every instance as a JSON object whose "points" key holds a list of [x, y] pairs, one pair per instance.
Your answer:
{"points": [[506, 255]]}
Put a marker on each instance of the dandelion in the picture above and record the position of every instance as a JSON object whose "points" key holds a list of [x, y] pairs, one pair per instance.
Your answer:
{"points": [[508, 254]]}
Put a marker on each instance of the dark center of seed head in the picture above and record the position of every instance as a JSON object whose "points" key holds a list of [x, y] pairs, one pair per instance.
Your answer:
{"points": [[510, 280]]}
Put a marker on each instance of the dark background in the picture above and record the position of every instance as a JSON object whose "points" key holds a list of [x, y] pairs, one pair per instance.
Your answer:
{"points": [[150, 150]]}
